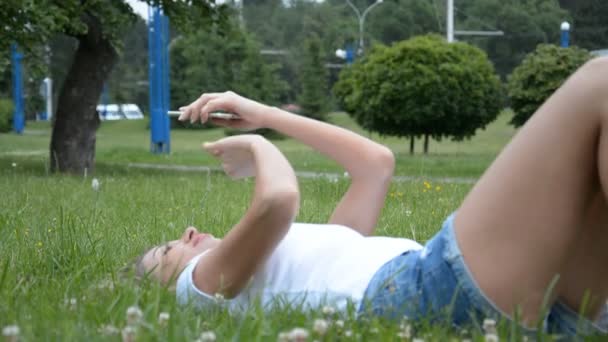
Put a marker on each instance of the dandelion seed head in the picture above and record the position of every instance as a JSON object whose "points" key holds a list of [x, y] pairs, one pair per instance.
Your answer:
{"points": [[95, 184], [134, 315], [320, 326], [163, 318], [491, 338], [207, 336], [10, 331], [108, 329], [298, 335], [283, 337], [328, 310], [489, 326]]}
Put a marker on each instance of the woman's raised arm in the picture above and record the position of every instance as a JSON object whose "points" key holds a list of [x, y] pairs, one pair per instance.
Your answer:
{"points": [[227, 268], [369, 164]]}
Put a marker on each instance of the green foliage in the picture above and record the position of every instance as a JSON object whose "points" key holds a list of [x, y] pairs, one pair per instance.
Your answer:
{"points": [[589, 25], [422, 87], [313, 80], [539, 75], [525, 25], [211, 61], [6, 115]]}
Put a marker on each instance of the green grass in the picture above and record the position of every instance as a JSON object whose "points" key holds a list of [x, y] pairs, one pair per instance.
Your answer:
{"points": [[120, 142], [63, 244]]}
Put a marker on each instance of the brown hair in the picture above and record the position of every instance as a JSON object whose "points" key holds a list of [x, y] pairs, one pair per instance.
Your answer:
{"points": [[135, 267]]}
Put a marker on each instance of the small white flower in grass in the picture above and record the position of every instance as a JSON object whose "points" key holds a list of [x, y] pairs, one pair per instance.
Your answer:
{"points": [[163, 319], [489, 326], [491, 338], [95, 184], [207, 336], [406, 331], [14, 164], [408, 213], [11, 333], [298, 335], [346, 175], [339, 324], [348, 333], [71, 303], [108, 330], [320, 326], [417, 340], [129, 334], [219, 298], [283, 337], [134, 315], [328, 310], [374, 330]]}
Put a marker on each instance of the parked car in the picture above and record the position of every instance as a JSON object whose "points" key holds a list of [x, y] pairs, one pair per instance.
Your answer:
{"points": [[128, 111]]}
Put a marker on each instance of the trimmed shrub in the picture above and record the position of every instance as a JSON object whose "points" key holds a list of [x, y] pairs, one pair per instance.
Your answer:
{"points": [[539, 75]]}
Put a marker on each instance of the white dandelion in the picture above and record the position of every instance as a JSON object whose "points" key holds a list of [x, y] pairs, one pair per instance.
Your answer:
{"points": [[298, 335], [95, 184], [163, 319], [320, 326], [207, 336], [11, 333], [328, 310], [129, 334], [134, 315]]}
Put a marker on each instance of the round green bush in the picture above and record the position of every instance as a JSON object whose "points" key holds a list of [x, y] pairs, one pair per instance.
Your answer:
{"points": [[539, 75], [6, 115], [423, 86]]}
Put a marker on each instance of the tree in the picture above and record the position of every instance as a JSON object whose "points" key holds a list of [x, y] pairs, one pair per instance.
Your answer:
{"points": [[212, 61], [97, 26], [539, 75], [589, 28], [422, 87], [525, 24], [313, 80]]}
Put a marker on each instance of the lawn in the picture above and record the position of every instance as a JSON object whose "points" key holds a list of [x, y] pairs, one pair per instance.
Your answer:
{"points": [[64, 243], [121, 142]]}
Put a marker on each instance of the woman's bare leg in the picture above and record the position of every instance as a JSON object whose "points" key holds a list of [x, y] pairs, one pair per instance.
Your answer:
{"points": [[583, 283], [522, 221]]}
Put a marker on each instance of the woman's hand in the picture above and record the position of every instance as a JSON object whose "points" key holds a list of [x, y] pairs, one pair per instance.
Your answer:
{"points": [[236, 154], [251, 113]]}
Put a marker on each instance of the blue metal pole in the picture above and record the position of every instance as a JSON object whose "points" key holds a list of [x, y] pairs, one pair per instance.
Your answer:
{"points": [[18, 117], [158, 77], [565, 36]]}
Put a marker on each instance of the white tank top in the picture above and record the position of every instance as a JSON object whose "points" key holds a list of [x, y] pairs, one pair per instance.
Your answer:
{"points": [[314, 265]]}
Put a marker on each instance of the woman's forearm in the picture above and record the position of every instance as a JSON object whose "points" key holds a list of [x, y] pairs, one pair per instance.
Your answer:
{"points": [[275, 178], [359, 156]]}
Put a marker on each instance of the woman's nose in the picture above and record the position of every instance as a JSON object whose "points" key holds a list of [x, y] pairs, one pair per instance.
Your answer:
{"points": [[189, 233]]}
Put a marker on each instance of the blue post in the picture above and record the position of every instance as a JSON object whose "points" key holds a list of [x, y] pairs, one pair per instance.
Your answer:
{"points": [[565, 38], [18, 117], [158, 55], [350, 54]]}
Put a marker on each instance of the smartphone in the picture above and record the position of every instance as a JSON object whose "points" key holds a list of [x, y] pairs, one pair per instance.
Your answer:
{"points": [[217, 115]]}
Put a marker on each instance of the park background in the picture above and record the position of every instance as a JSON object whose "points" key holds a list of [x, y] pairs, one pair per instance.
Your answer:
{"points": [[64, 240]]}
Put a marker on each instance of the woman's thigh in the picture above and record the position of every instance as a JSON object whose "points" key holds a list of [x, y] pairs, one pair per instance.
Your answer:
{"points": [[519, 224]]}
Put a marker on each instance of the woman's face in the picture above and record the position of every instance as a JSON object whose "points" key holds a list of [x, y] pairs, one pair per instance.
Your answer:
{"points": [[165, 262]]}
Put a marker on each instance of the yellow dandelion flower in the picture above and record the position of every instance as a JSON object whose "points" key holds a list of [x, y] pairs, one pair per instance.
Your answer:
{"points": [[438, 188]]}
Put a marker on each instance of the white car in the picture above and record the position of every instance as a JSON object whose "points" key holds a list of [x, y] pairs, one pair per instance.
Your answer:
{"points": [[127, 111]]}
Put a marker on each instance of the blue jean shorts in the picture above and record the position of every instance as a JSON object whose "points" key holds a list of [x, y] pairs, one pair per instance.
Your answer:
{"points": [[434, 284]]}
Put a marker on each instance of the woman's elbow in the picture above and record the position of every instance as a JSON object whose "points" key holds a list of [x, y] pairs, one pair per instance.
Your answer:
{"points": [[384, 160]]}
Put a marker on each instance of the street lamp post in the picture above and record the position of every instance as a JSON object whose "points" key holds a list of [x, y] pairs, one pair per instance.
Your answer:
{"points": [[361, 18]]}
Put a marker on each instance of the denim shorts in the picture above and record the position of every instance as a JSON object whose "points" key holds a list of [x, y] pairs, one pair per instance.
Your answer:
{"points": [[434, 284]]}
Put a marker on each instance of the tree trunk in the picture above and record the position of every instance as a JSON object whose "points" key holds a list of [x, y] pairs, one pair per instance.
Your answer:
{"points": [[72, 147], [426, 144], [412, 145]]}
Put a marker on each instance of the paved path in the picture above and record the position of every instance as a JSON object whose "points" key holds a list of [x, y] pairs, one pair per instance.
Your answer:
{"points": [[303, 174]]}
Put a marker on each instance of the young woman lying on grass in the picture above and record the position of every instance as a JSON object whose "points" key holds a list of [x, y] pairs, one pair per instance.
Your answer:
{"points": [[528, 242]]}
